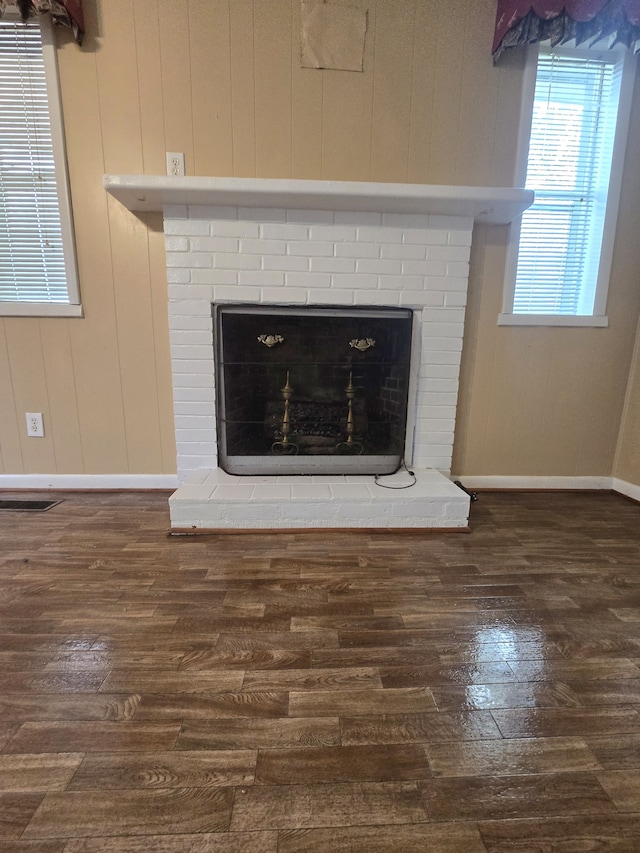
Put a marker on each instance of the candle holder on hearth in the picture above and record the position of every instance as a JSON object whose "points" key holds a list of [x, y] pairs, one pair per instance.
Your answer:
{"points": [[283, 446], [349, 447]]}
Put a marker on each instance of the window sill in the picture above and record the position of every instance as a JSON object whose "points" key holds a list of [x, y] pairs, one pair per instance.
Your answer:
{"points": [[600, 321], [39, 309]]}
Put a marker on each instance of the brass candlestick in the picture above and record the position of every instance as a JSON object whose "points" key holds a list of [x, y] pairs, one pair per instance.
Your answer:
{"points": [[349, 446], [285, 447]]}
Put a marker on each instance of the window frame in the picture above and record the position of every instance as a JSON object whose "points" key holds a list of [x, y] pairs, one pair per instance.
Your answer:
{"points": [[599, 317], [72, 308]]}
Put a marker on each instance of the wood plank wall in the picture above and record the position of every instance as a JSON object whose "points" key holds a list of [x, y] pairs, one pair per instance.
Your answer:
{"points": [[220, 80]]}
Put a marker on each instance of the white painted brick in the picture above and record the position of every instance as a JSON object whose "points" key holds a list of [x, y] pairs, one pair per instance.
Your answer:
{"points": [[192, 436], [199, 423], [426, 236], [310, 248], [189, 259], [175, 211], [437, 438], [237, 293], [439, 399], [190, 353], [213, 276], [286, 295], [178, 321], [193, 396], [401, 282], [214, 244], [176, 244], [457, 269], [460, 237], [438, 424], [416, 252], [262, 214], [261, 278], [357, 250], [333, 233], [440, 357], [377, 266], [195, 367], [448, 253], [194, 407], [354, 217], [178, 275], [434, 384], [333, 264], [447, 283], [456, 298], [356, 281], [406, 220], [440, 371], [226, 260], [377, 297], [186, 227], [193, 307], [443, 315], [428, 413], [330, 297], [265, 247], [192, 380], [379, 235], [255, 512], [189, 337], [190, 291], [285, 264], [311, 217], [308, 279], [284, 231], [234, 228], [441, 345], [210, 212], [419, 298], [450, 223], [441, 330], [426, 268]]}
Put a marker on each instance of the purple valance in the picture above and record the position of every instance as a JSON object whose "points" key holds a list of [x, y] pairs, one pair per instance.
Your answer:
{"points": [[67, 13], [530, 21]]}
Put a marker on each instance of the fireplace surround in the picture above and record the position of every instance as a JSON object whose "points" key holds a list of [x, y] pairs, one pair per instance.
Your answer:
{"points": [[317, 245]]}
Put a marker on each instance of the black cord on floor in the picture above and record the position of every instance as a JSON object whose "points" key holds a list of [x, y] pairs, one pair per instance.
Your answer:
{"points": [[401, 466]]}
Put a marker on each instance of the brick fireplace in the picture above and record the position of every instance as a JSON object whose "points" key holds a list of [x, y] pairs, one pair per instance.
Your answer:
{"points": [[316, 243]]}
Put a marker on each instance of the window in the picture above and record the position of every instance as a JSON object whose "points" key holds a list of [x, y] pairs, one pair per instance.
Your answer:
{"points": [[560, 258], [37, 259]]}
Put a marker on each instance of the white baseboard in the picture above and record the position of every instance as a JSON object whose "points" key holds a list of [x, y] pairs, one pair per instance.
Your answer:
{"points": [[515, 482], [88, 481], [624, 488]]}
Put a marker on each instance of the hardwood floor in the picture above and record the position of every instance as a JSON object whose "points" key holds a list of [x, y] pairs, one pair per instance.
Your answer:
{"points": [[307, 692]]}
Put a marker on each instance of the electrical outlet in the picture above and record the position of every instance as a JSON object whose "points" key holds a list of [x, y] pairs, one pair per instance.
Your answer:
{"points": [[175, 164], [35, 424]]}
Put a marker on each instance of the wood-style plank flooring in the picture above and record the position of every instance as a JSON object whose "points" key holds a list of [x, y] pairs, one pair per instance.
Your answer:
{"points": [[338, 692]]}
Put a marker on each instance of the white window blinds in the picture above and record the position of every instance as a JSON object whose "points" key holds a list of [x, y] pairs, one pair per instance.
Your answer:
{"points": [[32, 263], [569, 166]]}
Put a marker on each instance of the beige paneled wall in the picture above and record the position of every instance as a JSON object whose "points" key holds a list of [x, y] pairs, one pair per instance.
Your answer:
{"points": [[627, 465], [221, 81]]}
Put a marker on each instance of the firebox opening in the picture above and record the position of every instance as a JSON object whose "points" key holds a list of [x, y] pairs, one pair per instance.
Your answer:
{"points": [[311, 390]]}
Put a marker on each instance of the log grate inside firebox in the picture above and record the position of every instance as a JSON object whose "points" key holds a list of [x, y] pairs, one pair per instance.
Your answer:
{"points": [[311, 390]]}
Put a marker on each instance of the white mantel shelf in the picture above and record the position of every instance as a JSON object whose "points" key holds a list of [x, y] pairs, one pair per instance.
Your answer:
{"points": [[493, 205]]}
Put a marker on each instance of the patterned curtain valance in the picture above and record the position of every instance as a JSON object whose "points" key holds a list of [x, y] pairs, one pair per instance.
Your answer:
{"points": [[560, 21], [67, 13]]}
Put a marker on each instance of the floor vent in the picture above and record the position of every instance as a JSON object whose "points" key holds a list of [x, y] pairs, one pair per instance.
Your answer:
{"points": [[31, 506]]}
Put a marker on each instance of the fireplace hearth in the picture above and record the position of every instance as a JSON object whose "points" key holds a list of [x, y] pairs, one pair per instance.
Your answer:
{"points": [[312, 390]]}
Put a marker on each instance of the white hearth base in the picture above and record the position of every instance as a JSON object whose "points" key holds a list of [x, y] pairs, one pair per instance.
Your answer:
{"points": [[217, 501]]}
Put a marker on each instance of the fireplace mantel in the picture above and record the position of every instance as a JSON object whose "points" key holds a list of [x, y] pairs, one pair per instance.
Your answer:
{"points": [[493, 205]]}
